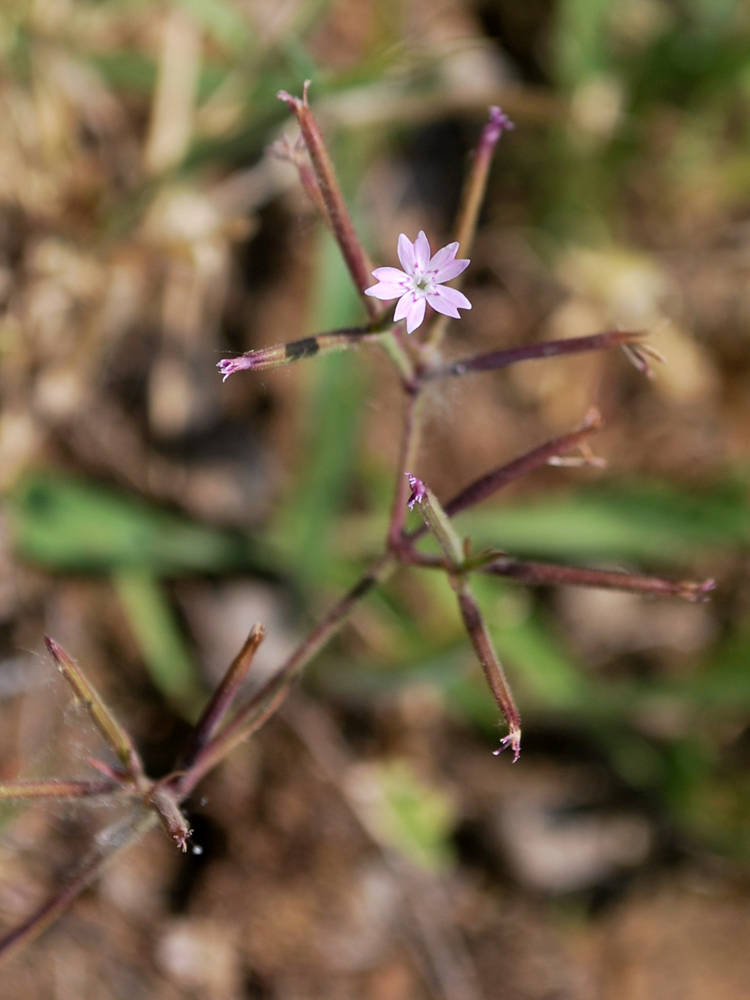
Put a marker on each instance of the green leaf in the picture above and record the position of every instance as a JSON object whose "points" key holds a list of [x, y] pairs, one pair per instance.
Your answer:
{"points": [[304, 526], [69, 525], [406, 813], [161, 642], [651, 523]]}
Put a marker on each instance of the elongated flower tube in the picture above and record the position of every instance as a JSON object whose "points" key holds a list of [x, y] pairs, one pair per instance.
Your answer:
{"points": [[421, 283]]}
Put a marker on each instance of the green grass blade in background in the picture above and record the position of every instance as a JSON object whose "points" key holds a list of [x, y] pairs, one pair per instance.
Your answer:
{"points": [[69, 525], [304, 527], [160, 639], [645, 522]]}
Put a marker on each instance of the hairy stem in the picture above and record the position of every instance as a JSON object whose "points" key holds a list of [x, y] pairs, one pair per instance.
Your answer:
{"points": [[100, 714], [410, 435], [270, 696], [490, 663], [471, 201], [484, 487], [105, 851], [359, 264], [495, 360], [215, 711], [21, 791]]}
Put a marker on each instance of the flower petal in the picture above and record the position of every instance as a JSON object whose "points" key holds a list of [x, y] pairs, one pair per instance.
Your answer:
{"points": [[415, 315], [447, 301], [451, 269], [412, 308], [406, 253], [422, 252], [391, 275], [442, 257], [385, 290], [404, 305]]}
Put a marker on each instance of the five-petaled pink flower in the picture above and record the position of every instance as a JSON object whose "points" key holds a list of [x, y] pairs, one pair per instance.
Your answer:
{"points": [[421, 281]]}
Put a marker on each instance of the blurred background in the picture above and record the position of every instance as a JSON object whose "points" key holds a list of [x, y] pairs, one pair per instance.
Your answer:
{"points": [[367, 844]]}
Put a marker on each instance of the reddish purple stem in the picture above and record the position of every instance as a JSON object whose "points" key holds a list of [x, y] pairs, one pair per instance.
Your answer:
{"points": [[539, 574], [530, 352], [484, 487]]}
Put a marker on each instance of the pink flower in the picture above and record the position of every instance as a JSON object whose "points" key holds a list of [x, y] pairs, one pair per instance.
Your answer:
{"points": [[421, 281]]}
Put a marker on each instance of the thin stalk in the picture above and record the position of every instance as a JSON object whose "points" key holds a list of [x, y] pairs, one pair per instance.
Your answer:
{"points": [[215, 711], [104, 852], [54, 789], [471, 201], [100, 714], [399, 354], [295, 154], [495, 480], [495, 360], [540, 574], [308, 347], [410, 436], [269, 697], [357, 260], [490, 663]]}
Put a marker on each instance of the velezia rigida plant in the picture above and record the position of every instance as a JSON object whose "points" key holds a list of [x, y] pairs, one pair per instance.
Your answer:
{"points": [[427, 298]]}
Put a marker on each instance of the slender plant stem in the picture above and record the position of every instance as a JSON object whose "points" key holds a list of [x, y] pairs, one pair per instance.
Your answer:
{"points": [[480, 639], [100, 714], [103, 853], [538, 574], [495, 360], [54, 789], [410, 438], [223, 697], [484, 487], [468, 213], [357, 260], [295, 154], [269, 697]]}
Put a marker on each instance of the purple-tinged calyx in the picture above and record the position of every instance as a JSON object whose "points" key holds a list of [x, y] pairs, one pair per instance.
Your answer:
{"points": [[418, 491], [498, 123], [512, 740]]}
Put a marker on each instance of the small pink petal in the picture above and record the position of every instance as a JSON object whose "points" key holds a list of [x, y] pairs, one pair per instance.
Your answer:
{"points": [[390, 274], [422, 251], [457, 299], [404, 305], [406, 253], [441, 303], [411, 307], [451, 270], [445, 254], [415, 316], [385, 290]]}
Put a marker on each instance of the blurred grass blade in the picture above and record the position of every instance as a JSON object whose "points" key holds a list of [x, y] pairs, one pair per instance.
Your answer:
{"points": [[69, 525], [162, 645], [641, 521], [222, 21], [404, 813], [304, 526]]}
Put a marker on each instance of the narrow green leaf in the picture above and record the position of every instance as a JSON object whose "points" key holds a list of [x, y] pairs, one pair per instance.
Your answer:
{"points": [[69, 525], [162, 645]]}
